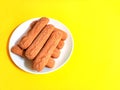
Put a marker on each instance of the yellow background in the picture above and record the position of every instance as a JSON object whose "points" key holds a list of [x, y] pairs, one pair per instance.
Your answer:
{"points": [[95, 62]]}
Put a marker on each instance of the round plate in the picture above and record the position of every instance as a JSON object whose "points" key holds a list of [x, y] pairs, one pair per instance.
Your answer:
{"points": [[26, 65]]}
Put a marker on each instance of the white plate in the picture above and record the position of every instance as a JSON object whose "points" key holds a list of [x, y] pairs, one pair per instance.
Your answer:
{"points": [[26, 65]]}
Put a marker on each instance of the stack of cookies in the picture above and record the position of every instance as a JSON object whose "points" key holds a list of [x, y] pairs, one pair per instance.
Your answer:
{"points": [[41, 44]]}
